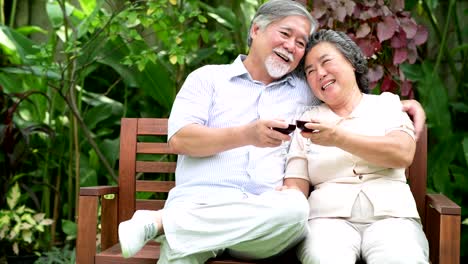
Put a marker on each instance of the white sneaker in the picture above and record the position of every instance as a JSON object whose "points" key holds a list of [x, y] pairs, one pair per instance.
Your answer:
{"points": [[136, 232]]}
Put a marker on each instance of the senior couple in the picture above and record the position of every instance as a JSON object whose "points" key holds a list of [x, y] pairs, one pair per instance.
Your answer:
{"points": [[340, 195]]}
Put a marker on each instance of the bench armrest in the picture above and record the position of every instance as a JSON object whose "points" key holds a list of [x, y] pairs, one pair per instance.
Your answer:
{"points": [[442, 226], [87, 220], [442, 204], [98, 190]]}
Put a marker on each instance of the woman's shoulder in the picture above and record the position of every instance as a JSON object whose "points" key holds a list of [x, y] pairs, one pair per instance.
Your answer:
{"points": [[385, 99]]}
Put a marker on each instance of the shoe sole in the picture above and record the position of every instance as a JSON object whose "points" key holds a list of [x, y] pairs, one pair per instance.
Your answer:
{"points": [[123, 232]]}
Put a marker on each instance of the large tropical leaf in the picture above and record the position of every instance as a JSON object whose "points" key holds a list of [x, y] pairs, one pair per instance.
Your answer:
{"points": [[155, 80]]}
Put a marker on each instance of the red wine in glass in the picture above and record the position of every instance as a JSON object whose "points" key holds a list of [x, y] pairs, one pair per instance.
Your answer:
{"points": [[287, 130], [301, 125]]}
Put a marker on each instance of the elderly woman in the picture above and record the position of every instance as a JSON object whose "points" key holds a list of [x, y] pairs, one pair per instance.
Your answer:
{"points": [[354, 159]]}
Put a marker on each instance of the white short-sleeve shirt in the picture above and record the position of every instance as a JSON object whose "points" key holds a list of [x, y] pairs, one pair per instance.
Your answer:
{"points": [[339, 176], [220, 96]]}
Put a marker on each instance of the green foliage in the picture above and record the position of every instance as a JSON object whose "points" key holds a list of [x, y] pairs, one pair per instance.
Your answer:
{"points": [[56, 255], [102, 60], [20, 226]]}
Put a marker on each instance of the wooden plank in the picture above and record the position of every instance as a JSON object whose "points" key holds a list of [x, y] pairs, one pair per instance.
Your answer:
{"points": [[418, 173], [142, 204], [109, 222], [149, 254], [443, 234], [155, 166], [449, 250], [87, 228], [443, 205], [98, 190], [432, 229], [153, 148], [154, 186], [127, 160], [152, 126]]}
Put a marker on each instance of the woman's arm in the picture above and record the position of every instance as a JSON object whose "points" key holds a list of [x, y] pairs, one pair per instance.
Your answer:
{"points": [[296, 183], [394, 150]]}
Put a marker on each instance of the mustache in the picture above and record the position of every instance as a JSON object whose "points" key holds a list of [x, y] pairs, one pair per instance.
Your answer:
{"points": [[285, 53]]}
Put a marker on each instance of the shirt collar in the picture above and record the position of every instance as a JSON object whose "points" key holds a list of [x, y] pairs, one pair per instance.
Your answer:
{"points": [[239, 70]]}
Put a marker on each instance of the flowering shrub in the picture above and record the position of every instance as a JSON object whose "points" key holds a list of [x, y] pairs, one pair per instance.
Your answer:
{"points": [[385, 32]]}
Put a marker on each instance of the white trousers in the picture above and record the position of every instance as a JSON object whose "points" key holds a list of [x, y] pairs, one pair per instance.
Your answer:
{"points": [[376, 240], [256, 227]]}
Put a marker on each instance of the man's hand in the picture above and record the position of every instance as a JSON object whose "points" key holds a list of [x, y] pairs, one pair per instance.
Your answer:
{"points": [[416, 113], [260, 134]]}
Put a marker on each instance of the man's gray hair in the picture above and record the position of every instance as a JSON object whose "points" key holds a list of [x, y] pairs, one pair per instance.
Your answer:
{"points": [[275, 10], [348, 48]]}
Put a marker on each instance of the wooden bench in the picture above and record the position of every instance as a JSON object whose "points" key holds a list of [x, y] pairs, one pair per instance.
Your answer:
{"points": [[440, 216]]}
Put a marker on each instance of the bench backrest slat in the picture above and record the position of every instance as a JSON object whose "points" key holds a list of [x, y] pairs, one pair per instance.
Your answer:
{"points": [[155, 166]]}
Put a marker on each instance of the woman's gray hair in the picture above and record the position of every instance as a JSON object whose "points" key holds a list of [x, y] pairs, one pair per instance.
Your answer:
{"points": [[275, 10], [348, 48]]}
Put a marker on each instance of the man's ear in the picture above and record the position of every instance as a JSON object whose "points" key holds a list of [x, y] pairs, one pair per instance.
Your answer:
{"points": [[254, 30]]}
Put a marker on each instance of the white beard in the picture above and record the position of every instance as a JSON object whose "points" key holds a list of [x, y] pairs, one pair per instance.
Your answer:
{"points": [[275, 67]]}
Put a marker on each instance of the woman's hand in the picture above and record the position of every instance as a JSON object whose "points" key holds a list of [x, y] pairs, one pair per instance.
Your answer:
{"points": [[416, 112], [325, 133]]}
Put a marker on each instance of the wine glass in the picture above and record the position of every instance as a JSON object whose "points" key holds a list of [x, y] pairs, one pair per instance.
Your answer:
{"points": [[303, 116], [290, 118]]}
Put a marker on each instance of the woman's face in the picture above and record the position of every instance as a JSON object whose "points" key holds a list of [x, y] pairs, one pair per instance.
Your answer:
{"points": [[329, 74]]}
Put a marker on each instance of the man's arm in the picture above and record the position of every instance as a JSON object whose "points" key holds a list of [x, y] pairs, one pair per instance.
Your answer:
{"points": [[416, 112], [201, 141]]}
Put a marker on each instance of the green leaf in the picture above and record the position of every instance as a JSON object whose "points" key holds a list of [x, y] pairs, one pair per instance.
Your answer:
{"points": [[460, 48], [97, 114], [27, 30], [69, 227], [15, 248], [13, 196], [27, 236], [38, 217], [155, 80], [434, 98], [17, 43], [88, 175], [28, 219], [93, 159], [38, 71], [55, 14], [88, 6], [46, 222], [202, 19], [439, 159], [110, 149]]}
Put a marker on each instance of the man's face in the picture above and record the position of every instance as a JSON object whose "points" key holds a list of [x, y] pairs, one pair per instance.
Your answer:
{"points": [[281, 44]]}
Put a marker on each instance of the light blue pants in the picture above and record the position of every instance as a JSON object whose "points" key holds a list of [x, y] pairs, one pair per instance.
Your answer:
{"points": [[256, 227], [377, 240]]}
